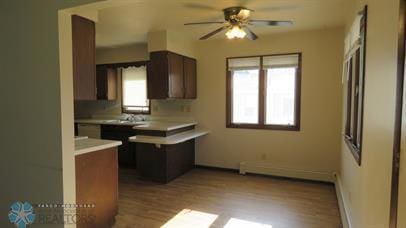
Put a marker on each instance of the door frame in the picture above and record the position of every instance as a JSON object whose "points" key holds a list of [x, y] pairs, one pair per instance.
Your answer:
{"points": [[399, 117]]}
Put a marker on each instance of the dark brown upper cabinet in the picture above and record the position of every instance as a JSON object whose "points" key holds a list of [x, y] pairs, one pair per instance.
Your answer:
{"points": [[171, 76], [106, 81], [189, 73], [84, 60]]}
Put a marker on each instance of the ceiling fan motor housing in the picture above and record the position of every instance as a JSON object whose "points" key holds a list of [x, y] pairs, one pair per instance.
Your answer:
{"points": [[231, 14]]}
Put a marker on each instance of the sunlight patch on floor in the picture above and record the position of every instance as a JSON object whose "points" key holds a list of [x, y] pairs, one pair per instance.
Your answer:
{"points": [[239, 223], [191, 218]]}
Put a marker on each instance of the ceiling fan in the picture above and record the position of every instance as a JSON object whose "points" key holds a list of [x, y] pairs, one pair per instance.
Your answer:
{"points": [[236, 23]]}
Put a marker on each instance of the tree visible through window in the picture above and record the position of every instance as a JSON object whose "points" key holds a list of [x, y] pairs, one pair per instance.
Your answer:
{"points": [[264, 92]]}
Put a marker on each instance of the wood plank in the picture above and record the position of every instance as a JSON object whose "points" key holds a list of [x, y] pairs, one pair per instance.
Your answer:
{"points": [[231, 197]]}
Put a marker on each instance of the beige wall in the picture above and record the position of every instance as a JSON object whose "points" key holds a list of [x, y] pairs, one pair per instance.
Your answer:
{"points": [[366, 189], [128, 53], [316, 146], [170, 41]]}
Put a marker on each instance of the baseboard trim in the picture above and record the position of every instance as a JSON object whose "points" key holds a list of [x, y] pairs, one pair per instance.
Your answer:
{"points": [[268, 169], [217, 168], [345, 217], [262, 175]]}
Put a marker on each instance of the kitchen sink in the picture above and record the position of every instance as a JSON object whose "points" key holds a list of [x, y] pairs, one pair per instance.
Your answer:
{"points": [[117, 121]]}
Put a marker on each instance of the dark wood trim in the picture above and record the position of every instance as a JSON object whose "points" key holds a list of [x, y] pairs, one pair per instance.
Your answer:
{"points": [[362, 77], [398, 117], [264, 127], [229, 83], [131, 64], [261, 93], [349, 97], [298, 93], [262, 97]]}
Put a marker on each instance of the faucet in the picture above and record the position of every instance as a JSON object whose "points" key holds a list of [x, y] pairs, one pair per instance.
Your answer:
{"points": [[135, 118]]}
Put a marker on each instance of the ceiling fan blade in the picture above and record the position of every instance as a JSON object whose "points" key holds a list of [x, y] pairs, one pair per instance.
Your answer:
{"points": [[205, 23], [250, 34], [270, 23], [212, 33], [199, 6]]}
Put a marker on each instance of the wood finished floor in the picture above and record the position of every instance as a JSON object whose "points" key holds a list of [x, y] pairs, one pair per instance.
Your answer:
{"points": [[207, 198]]}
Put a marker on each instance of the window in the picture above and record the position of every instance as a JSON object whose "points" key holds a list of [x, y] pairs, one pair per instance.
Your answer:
{"points": [[354, 73], [353, 126], [263, 92], [134, 90]]}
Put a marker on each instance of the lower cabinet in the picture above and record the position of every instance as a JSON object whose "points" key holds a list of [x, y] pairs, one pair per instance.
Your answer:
{"points": [[126, 152], [165, 162], [97, 185]]}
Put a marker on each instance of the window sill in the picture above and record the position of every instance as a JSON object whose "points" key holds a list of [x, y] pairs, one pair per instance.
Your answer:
{"points": [[264, 127], [136, 112], [356, 152]]}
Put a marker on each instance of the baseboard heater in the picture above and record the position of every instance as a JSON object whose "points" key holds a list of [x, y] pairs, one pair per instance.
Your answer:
{"points": [[266, 168]]}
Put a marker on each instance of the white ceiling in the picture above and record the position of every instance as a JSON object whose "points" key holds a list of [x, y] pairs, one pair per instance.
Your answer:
{"points": [[130, 22]]}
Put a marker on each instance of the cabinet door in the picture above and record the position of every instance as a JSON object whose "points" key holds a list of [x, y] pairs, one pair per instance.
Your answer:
{"points": [[189, 73], [106, 80], [101, 82], [84, 66], [157, 75], [175, 67]]}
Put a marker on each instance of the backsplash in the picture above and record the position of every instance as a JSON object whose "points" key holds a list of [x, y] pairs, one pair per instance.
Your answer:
{"points": [[86, 109], [160, 109]]}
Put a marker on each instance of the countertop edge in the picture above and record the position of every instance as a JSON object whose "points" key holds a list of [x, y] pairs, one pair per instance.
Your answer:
{"points": [[169, 140], [157, 128], [98, 147]]}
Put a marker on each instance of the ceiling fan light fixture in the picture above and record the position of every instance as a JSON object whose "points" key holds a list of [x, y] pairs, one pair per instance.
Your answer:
{"points": [[235, 32]]}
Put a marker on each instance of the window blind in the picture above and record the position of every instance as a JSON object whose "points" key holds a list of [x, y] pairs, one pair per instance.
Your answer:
{"points": [[280, 61], [249, 63]]}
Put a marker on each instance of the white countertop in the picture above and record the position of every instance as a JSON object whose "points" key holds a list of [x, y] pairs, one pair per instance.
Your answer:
{"points": [[163, 126], [85, 145], [141, 125], [173, 139], [109, 122]]}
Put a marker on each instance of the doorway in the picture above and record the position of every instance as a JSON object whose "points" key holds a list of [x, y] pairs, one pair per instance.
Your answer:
{"points": [[398, 193]]}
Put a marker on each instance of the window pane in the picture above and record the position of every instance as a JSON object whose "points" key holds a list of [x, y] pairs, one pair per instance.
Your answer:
{"points": [[135, 87], [245, 86], [280, 96]]}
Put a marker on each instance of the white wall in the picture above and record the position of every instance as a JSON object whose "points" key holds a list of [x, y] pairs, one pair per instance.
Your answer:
{"points": [[316, 147], [366, 188]]}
